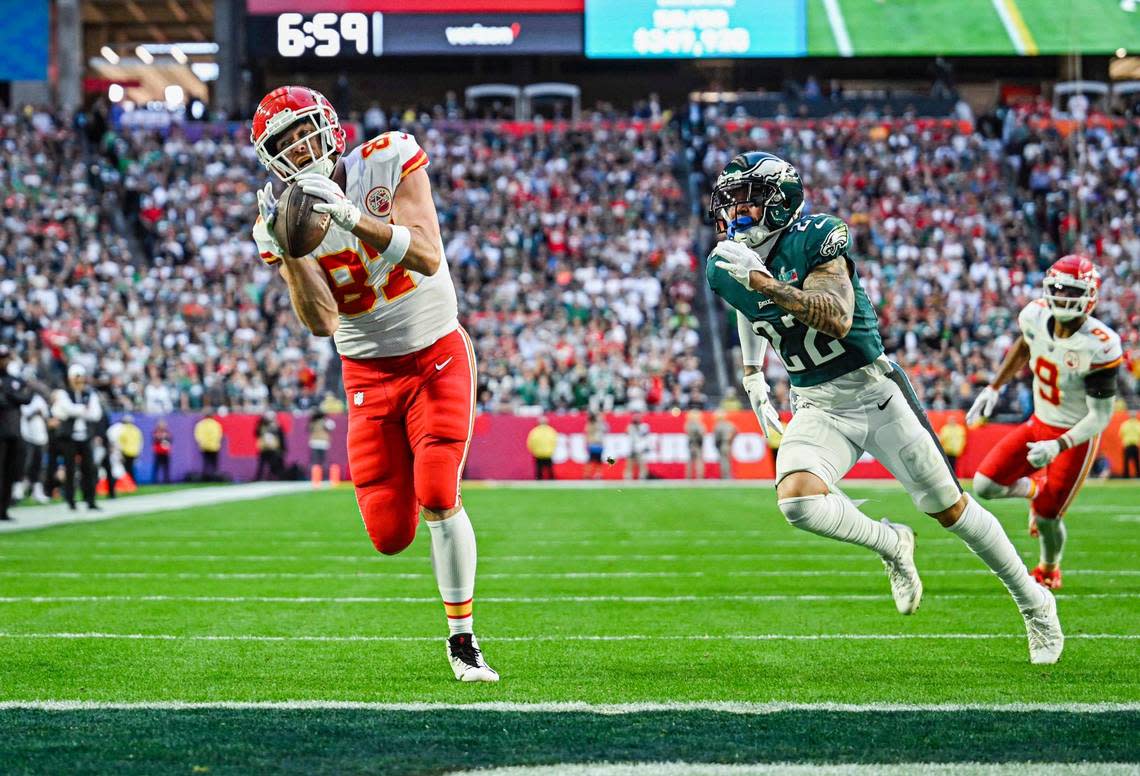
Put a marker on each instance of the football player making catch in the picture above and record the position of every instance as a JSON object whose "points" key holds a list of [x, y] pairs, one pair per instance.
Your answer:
{"points": [[793, 279], [379, 284], [1074, 359]]}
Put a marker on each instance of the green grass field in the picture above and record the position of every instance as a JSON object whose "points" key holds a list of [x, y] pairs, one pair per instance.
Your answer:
{"points": [[703, 605], [972, 27]]}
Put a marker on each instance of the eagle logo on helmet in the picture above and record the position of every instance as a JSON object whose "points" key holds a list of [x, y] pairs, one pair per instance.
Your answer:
{"points": [[760, 180]]}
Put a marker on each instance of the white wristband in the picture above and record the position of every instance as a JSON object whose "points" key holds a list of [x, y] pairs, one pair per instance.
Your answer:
{"points": [[398, 245]]}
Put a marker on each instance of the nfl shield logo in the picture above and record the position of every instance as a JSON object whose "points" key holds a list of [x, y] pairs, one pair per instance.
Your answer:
{"points": [[358, 398]]}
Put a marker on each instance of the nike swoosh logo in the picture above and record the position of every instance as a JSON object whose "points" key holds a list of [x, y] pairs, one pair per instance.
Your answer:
{"points": [[883, 406], [438, 367]]}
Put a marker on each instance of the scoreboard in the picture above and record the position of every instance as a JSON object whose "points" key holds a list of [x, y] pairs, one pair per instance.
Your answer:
{"points": [[332, 29]]}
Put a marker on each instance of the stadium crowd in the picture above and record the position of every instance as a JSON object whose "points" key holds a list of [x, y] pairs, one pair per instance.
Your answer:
{"points": [[575, 253]]}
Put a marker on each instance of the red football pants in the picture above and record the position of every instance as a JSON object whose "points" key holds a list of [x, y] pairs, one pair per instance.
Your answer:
{"points": [[1006, 463], [410, 420]]}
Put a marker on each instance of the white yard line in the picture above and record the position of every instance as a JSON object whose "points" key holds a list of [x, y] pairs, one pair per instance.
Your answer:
{"points": [[581, 707], [794, 769], [568, 637], [551, 599], [838, 28], [32, 518], [518, 575]]}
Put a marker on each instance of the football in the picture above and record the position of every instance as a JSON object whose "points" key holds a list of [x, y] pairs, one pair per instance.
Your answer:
{"points": [[298, 228]]}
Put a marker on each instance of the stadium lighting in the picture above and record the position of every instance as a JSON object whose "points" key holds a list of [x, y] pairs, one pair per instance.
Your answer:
{"points": [[109, 55], [179, 57], [115, 92], [144, 55]]}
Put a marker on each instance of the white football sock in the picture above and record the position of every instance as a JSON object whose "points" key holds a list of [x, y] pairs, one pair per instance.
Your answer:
{"points": [[987, 488], [983, 534], [835, 517], [1052, 534], [453, 561]]}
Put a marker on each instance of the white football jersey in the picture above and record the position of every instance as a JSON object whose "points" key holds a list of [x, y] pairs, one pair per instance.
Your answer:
{"points": [[385, 309], [1060, 366]]}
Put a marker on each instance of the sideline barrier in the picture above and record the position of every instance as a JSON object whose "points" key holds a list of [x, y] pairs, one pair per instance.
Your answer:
{"points": [[498, 449]]}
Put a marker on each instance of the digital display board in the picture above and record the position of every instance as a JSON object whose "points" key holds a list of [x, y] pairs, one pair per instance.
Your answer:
{"points": [[329, 35], [24, 41], [273, 7], [690, 29]]}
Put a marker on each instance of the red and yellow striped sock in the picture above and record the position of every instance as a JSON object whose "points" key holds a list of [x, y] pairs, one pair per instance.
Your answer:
{"points": [[459, 616]]}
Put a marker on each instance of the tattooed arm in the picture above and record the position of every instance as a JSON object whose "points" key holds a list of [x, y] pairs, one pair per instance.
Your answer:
{"points": [[826, 303]]}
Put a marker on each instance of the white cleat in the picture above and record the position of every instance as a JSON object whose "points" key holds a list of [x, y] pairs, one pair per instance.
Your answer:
{"points": [[1046, 641], [467, 659], [906, 587]]}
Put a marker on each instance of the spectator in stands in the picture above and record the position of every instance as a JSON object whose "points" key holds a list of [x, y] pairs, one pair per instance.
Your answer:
{"points": [[952, 436], [79, 411], [208, 433], [542, 441], [1130, 441], [162, 443]]}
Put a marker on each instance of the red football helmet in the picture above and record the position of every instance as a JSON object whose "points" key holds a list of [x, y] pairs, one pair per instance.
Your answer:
{"points": [[1071, 286], [277, 112]]}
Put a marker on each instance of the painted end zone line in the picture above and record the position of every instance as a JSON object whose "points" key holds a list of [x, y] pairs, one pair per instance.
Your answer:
{"points": [[579, 707], [562, 637]]}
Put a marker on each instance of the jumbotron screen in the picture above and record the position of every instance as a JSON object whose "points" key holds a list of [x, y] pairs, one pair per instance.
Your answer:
{"points": [[634, 29], [24, 41]]}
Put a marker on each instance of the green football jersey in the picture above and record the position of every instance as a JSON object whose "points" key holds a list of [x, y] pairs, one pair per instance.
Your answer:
{"points": [[810, 357]]}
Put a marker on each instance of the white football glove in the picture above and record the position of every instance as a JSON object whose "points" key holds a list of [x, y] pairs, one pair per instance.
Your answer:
{"points": [[267, 208], [1042, 453], [983, 406], [738, 260], [757, 389], [344, 214]]}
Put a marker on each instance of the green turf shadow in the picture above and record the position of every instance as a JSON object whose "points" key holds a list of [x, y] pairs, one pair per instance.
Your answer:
{"points": [[341, 741]]}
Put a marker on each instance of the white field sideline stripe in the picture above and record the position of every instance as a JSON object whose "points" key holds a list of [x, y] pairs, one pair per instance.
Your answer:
{"points": [[554, 599], [839, 28], [377, 559], [519, 575], [580, 707], [682, 768], [576, 637]]}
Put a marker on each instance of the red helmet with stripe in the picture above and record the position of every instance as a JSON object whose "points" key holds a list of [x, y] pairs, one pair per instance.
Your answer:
{"points": [[1071, 287], [278, 112]]}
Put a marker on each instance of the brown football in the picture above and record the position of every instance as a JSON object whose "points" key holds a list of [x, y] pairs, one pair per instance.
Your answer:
{"points": [[298, 228]]}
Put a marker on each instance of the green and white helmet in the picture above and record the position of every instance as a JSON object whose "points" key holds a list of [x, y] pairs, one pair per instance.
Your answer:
{"points": [[764, 180]]}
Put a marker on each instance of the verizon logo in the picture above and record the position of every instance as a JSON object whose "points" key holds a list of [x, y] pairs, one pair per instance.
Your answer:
{"points": [[478, 35]]}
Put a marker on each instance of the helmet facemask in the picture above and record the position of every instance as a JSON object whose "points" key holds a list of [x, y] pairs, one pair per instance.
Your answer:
{"points": [[1068, 297], [768, 193], [319, 140]]}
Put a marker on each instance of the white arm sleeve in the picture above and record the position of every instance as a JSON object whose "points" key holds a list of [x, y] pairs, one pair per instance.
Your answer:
{"points": [[1097, 419], [753, 347]]}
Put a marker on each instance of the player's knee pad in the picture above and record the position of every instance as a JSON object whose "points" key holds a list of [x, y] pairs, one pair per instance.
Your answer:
{"points": [[987, 488], [390, 520], [805, 512], [437, 472]]}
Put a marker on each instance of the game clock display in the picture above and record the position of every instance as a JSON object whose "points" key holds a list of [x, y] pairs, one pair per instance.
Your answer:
{"points": [[328, 34]]}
